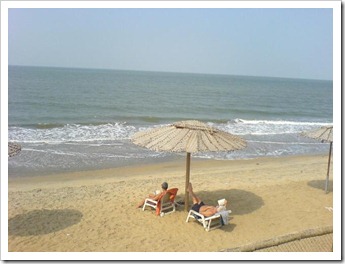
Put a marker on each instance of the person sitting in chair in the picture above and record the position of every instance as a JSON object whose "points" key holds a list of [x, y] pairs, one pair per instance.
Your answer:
{"points": [[156, 196], [200, 207]]}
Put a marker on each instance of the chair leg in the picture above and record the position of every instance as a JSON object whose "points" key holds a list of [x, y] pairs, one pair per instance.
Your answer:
{"points": [[204, 222], [169, 212], [188, 216], [214, 226], [209, 225]]}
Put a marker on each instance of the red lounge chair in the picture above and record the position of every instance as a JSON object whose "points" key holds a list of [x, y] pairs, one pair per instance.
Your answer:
{"points": [[164, 205]]}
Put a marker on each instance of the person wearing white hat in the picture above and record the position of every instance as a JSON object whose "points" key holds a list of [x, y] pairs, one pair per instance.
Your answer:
{"points": [[205, 210]]}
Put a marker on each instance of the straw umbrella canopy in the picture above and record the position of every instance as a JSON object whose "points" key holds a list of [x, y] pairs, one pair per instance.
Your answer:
{"points": [[13, 149], [325, 134], [190, 136]]}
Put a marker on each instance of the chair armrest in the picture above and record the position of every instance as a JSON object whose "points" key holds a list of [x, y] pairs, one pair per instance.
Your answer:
{"points": [[192, 212], [212, 216], [204, 217], [151, 201]]}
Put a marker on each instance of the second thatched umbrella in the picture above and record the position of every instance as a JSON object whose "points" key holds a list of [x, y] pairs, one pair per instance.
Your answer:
{"points": [[190, 136], [325, 134]]}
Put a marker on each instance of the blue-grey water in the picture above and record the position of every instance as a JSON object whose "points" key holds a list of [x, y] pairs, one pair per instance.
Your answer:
{"points": [[81, 119]]}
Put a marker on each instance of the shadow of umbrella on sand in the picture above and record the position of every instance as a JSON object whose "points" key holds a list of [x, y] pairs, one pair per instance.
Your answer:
{"points": [[190, 136], [13, 149], [42, 222], [325, 134]]}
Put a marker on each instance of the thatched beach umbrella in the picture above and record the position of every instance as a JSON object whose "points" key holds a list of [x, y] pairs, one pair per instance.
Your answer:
{"points": [[188, 136], [13, 149], [325, 134]]}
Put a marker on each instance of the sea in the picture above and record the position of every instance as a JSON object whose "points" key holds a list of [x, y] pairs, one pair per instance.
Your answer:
{"points": [[70, 119]]}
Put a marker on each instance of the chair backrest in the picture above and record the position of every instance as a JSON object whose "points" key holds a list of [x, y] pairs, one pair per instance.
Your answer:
{"points": [[167, 200], [169, 196]]}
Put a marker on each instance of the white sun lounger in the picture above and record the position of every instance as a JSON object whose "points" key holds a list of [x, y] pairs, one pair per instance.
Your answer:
{"points": [[209, 223]]}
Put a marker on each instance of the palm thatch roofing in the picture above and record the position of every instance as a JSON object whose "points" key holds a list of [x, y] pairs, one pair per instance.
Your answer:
{"points": [[189, 136], [13, 149], [324, 134]]}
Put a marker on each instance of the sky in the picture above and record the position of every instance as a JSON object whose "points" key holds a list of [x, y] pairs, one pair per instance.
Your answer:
{"points": [[276, 42]]}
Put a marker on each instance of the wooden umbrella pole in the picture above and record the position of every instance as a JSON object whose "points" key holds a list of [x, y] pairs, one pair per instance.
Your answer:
{"points": [[329, 162], [186, 198]]}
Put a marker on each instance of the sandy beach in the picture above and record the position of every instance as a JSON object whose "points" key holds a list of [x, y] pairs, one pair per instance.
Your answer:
{"points": [[94, 211]]}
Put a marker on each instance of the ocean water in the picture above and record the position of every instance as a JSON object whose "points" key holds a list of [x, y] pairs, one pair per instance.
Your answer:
{"points": [[83, 119]]}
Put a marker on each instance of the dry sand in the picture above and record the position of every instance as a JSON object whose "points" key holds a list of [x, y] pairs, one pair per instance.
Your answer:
{"points": [[95, 210]]}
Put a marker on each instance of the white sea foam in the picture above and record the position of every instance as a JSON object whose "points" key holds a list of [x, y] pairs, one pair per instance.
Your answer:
{"points": [[268, 127], [71, 133], [284, 143], [128, 102], [280, 122], [112, 134]]}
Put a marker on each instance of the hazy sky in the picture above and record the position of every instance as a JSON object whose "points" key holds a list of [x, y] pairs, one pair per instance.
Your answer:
{"points": [[260, 42]]}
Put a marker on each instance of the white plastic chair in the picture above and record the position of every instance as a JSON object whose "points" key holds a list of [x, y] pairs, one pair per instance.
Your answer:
{"points": [[206, 221], [166, 203]]}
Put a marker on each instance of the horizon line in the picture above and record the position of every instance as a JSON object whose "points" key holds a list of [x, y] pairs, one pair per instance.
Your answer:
{"points": [[157, 71]]}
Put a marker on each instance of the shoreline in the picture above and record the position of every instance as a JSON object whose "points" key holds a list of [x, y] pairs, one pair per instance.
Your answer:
{"points": [[269, 197], [175, 163]]}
